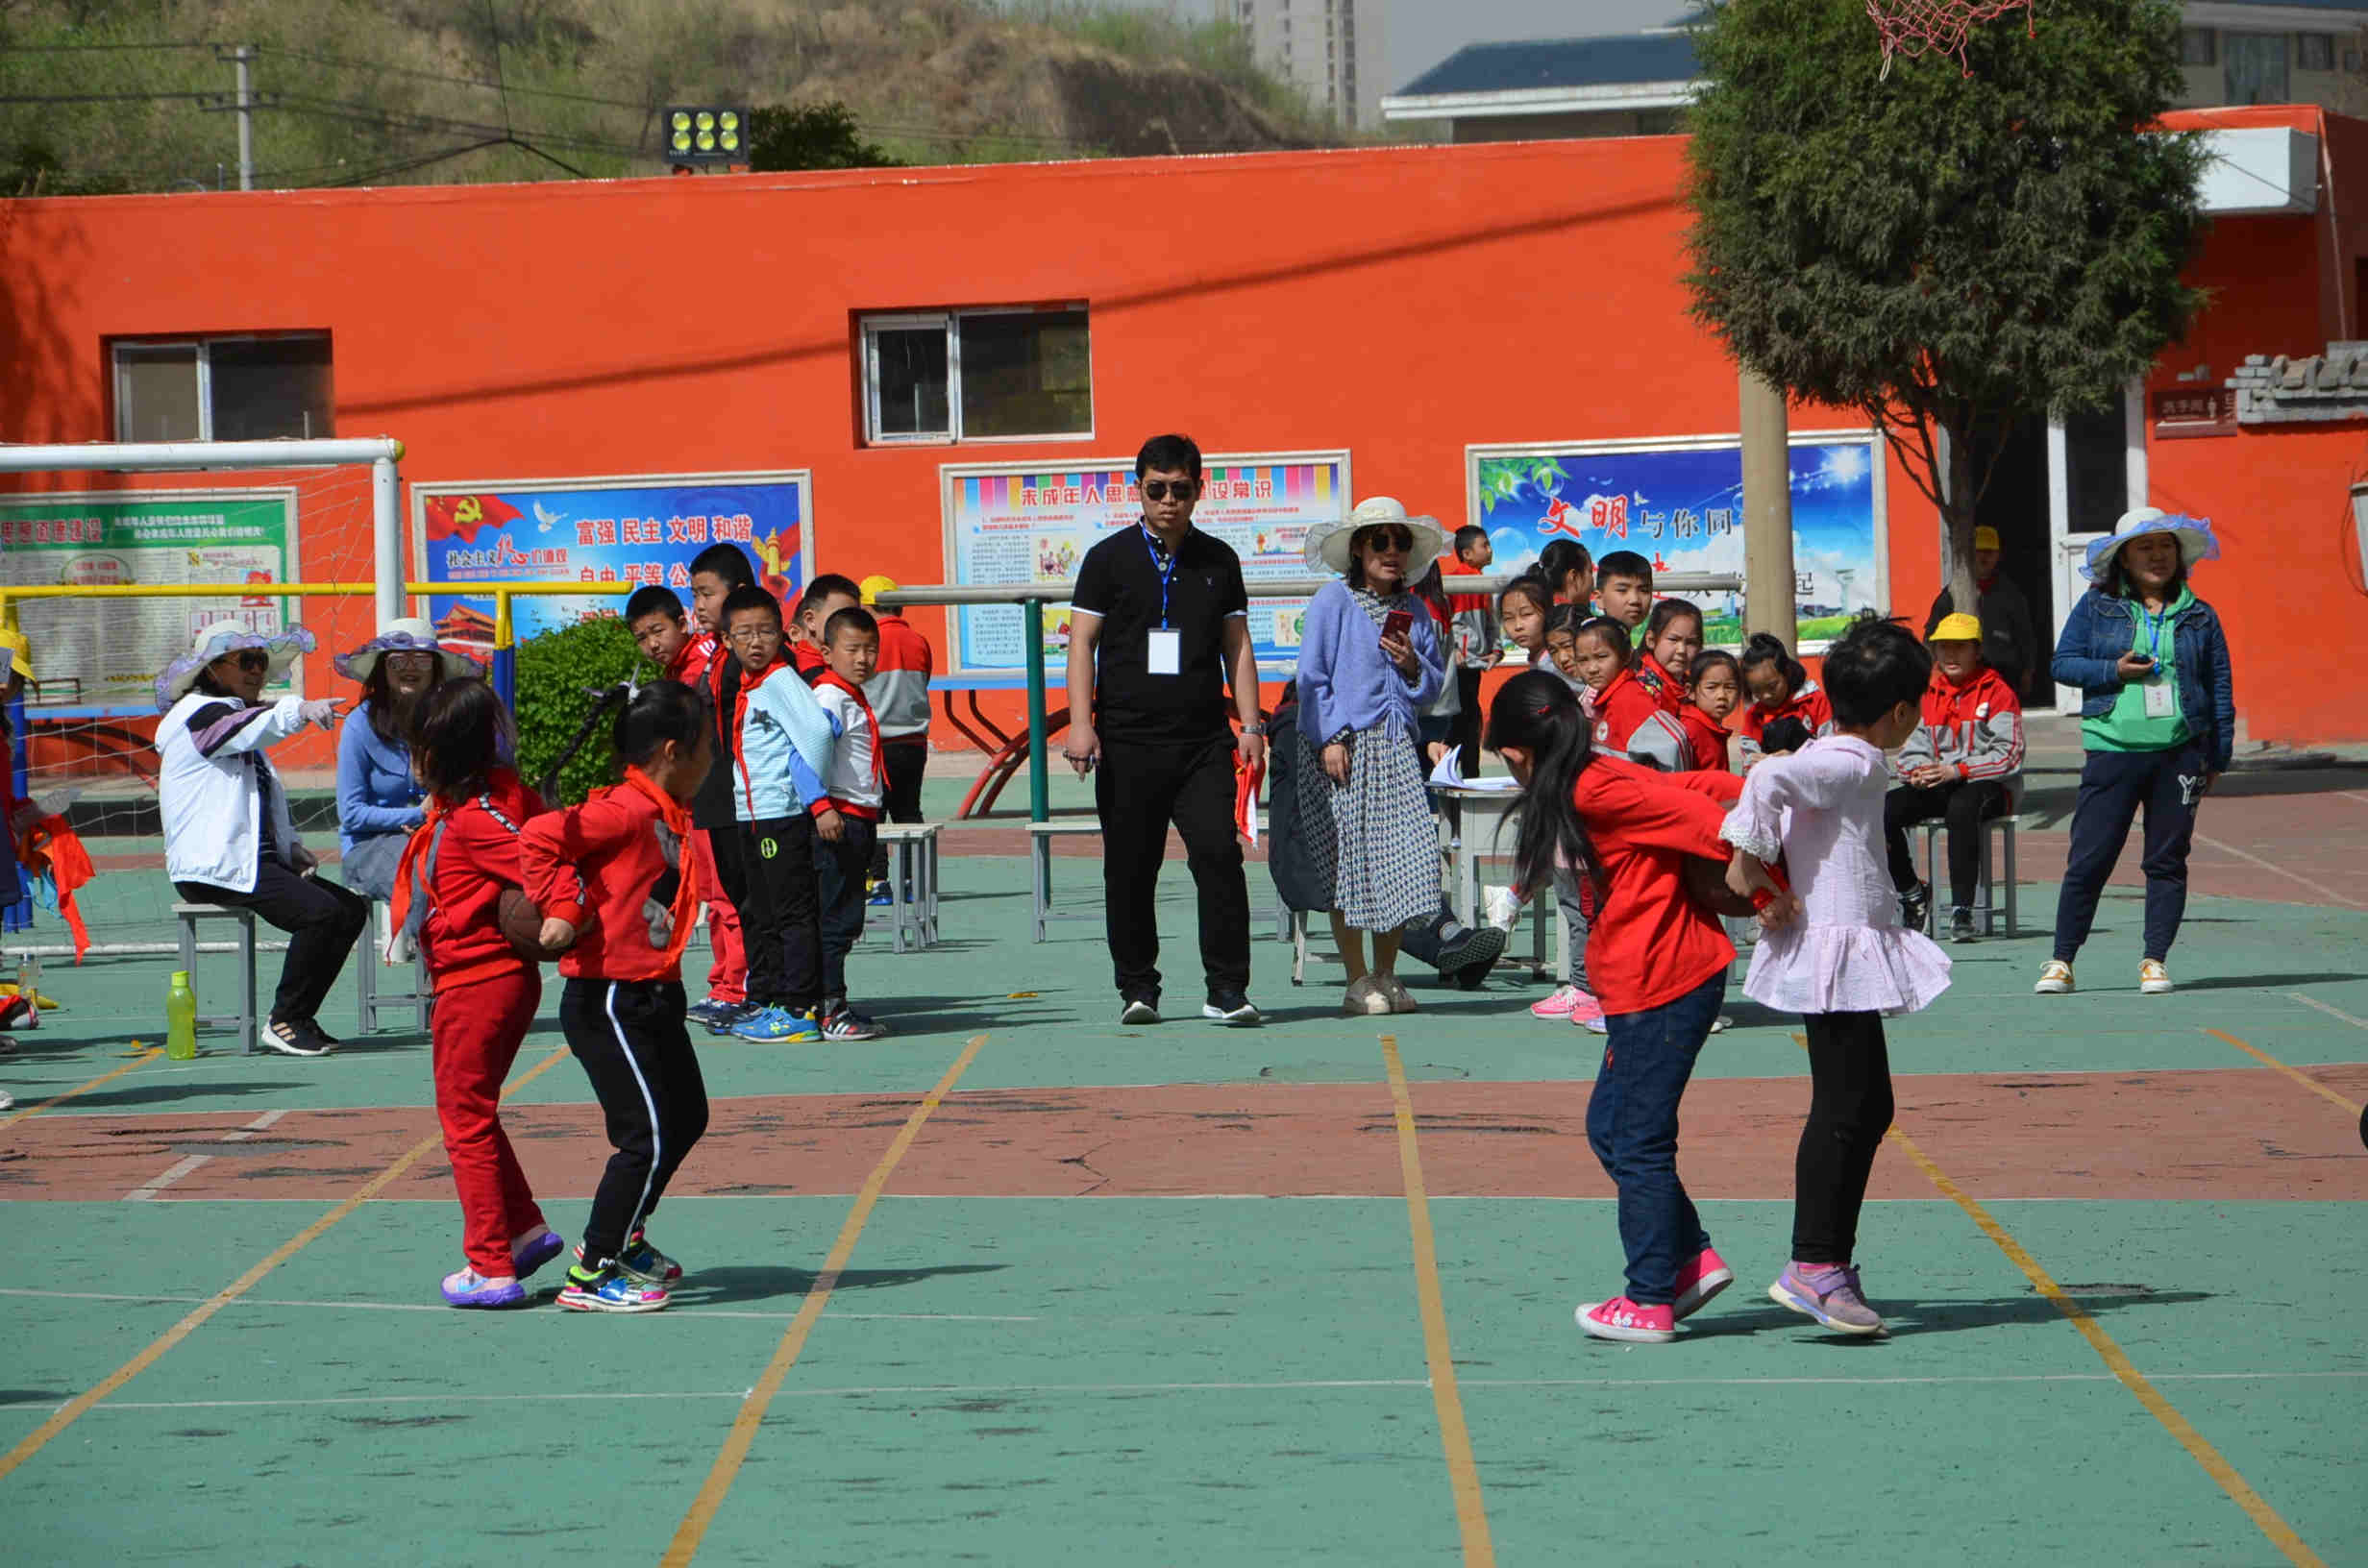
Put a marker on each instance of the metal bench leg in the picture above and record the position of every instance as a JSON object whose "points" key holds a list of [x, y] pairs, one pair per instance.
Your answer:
{"points": [[929, 891], [250, 1023], [366, 973], [1039, 879], [1932, 880], [896, 895], [188, 948], [2008, 832]]}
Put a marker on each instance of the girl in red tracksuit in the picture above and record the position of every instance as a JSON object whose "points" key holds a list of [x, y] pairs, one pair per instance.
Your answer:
{"points": [[1713, 685], [1779, 688], [447, 898], [620, 894], [1658, 960], [1629, 719]]}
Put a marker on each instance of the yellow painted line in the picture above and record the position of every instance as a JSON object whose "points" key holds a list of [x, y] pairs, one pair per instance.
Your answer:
{"points": [[74, 1409], [2116, 1361], [15, 1117], [735, 1450], [1454, 1438], [2297, 1075]]}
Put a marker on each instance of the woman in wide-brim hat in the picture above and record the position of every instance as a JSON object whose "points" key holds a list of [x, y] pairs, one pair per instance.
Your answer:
{"points": [[380, 803], [2157, 721], [229, 838], [1369, 663]]}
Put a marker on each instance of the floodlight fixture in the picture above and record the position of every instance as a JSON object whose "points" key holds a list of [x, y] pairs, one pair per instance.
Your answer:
{"points": [[705, 136]]}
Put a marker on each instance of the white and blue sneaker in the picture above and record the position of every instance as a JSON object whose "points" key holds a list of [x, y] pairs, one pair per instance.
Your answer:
{"points": [[777, 1026], [610, 1289]]}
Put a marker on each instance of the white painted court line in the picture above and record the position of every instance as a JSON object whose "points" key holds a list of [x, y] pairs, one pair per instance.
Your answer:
{"points": [[2320, 887], [1278, 1386], [181, 1168], [2353, 795], [2330, 1011], [686, 1309], [171, 1174]]}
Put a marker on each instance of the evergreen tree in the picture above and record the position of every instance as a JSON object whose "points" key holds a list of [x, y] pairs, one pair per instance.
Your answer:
{"points": [[1942, 248]]}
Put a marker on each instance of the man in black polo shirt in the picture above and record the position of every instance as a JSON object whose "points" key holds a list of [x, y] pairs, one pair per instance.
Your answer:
{"points": [[1159, 624]]}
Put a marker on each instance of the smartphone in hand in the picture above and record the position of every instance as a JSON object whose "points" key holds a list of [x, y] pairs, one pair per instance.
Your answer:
{"points": [[1398, 623]]}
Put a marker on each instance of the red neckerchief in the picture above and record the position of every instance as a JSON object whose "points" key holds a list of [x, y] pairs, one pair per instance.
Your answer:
{"points": [[832, 677], [739, 718]]}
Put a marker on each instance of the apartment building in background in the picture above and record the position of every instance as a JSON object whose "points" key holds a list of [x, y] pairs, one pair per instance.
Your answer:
{"points": [[1330, 49]]}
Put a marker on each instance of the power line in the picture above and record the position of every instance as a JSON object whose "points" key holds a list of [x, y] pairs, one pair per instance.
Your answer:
{"points": [[382, 69], [89, 48]]}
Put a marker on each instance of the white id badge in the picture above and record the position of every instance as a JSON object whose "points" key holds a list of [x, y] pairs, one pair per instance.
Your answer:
{"points": [[2159, 698], [1165, 654]]}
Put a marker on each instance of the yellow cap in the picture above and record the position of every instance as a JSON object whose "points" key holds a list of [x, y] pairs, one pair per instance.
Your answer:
{"points": [[1985, 537], [20, 653], [1959, 628], [871, 588]]}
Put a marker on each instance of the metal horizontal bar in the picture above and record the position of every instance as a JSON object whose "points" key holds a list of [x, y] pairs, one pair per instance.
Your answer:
{"points": [[1058, 593], [137, 456], [299, 590]]}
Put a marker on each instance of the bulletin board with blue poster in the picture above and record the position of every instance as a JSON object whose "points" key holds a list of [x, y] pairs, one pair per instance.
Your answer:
{"points": [[1679, 502], [642, 530]]}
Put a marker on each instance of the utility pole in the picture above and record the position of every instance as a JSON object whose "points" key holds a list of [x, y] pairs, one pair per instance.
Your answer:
{"points": [[1768, 512], [241, 57]]}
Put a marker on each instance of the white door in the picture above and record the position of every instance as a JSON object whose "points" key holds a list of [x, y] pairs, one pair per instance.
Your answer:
{"points": [[2096, 470]]}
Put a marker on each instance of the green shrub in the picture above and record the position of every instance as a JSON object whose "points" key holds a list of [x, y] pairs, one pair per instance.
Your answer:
{"points": [[556, 672]]}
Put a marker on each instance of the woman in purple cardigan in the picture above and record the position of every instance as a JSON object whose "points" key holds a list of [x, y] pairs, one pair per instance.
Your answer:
{"points": [[1369, 663]]}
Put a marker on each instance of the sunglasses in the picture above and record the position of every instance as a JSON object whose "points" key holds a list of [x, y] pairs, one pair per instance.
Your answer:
{"points": [[1162, 489], [250, 659], [1398, 539]]}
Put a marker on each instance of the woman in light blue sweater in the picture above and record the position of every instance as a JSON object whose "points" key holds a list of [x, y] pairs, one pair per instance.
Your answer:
{"points": [[1369, 663], [379, 802]]}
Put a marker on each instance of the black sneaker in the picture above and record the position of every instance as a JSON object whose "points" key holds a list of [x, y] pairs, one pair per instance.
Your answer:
{"points": [[1960, 925], [1143, 1008], [1231, 1009], [326, 1037], [1463, 947], [296, 1036], [843, 1023], [1915, 908], [1472, 976], [722, 1016]]}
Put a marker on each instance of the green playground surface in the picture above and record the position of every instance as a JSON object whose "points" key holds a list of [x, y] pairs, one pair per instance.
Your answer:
{"points": [[1158, 1295]]}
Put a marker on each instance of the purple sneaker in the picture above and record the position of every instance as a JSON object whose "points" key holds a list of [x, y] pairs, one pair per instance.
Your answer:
{"points": [[470, 1288], [532, 1250], [1827, 1293]]}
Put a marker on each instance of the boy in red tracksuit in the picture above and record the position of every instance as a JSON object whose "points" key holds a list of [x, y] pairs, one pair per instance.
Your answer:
{"points": [[1964, 764], [447, 898], [617, 893], [898, 693]]}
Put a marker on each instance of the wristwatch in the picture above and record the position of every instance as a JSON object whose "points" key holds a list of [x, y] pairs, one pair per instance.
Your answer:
{"points": [[1257, 729]]}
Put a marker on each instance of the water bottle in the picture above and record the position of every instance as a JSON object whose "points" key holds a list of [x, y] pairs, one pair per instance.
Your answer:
{"points": [[181, 1019]]}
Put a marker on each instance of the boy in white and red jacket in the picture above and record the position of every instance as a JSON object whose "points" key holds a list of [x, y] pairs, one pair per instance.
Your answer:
{"points": [[1964, 765], [847, 817], [898, 692]]}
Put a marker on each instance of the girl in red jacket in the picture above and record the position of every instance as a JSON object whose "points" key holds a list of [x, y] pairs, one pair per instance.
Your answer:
{"points": [[1779, 688], [1659, 962], [620, 896], [447, 896]]}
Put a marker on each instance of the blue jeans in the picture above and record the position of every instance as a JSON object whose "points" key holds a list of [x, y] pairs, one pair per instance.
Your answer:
{"points": [[1632, 1124], [2114, 785]]}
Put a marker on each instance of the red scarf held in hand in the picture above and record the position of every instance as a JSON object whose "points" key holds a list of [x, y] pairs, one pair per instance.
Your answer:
{"points": [[53, 850]]}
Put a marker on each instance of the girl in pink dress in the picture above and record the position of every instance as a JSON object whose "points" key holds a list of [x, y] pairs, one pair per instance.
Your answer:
{"points": [[1843, 960]]}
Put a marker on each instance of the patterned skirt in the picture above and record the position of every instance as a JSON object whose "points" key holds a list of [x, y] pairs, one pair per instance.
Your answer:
{"points": [[1372, 842]]}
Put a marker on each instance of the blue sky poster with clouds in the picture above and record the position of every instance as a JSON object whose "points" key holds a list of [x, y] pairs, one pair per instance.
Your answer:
{"points": [[1679, 504]]}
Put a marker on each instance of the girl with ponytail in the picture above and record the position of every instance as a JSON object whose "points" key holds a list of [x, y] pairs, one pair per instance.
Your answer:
{"points": [[1658, 962], [1779, 688]]}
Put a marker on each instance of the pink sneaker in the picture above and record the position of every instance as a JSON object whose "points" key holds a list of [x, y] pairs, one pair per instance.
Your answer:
{"points": [[1621, 1319], [1558, 1003], [1701, 1278], [1588, 1014]]}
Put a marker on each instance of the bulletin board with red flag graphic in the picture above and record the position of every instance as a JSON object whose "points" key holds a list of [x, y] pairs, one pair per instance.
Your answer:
{"points": [[644, 529]]}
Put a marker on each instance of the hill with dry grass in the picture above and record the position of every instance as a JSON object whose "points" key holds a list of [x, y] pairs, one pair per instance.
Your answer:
{"points": [[98, 96]]}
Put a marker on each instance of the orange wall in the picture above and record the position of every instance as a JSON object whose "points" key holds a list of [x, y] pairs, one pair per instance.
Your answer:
{"points": [[1398, 302]]}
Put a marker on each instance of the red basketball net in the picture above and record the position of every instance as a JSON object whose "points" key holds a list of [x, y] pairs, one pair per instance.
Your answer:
{"points": [[1918, 27]]}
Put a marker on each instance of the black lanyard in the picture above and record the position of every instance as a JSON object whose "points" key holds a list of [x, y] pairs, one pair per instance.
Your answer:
{"points": [[1166, 574]]}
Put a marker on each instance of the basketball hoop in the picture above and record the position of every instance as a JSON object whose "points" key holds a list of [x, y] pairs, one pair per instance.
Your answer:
{"points": [[1921, 27]]}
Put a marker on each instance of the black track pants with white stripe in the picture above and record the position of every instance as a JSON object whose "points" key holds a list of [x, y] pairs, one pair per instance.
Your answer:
{"points": [[628, 1036]]}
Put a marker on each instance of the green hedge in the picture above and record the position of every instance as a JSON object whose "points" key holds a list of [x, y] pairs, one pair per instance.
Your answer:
{"points": [[553, 671]]}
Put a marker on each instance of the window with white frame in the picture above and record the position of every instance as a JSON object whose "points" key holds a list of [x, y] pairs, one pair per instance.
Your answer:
{"points": [[984, 374], [2314, 51], [251, 389]]}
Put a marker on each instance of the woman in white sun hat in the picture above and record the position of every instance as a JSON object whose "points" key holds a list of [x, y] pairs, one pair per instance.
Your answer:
{"points": [[1369, 663], [228, 838], [2158, 720], [379, 801]]}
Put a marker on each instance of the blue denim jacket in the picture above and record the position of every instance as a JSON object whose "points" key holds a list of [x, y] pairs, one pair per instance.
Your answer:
{"points": [[2101, 630]]}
